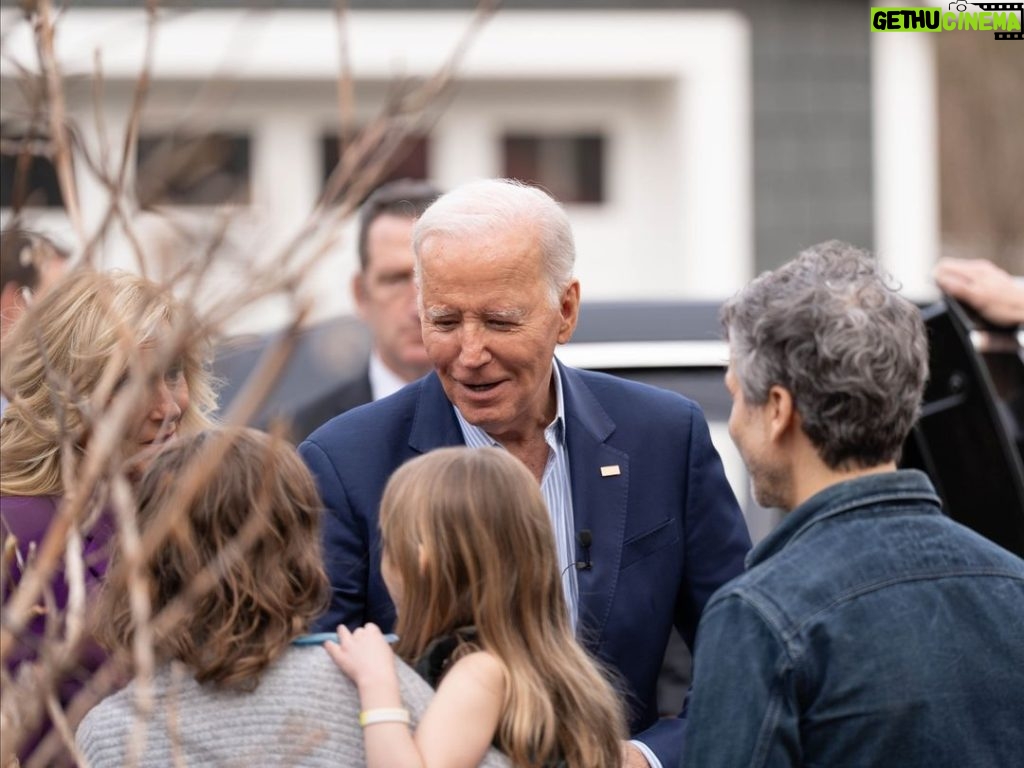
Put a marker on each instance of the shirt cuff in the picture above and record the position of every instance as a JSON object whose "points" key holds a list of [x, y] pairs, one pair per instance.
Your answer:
{"points": [[651, 757]]}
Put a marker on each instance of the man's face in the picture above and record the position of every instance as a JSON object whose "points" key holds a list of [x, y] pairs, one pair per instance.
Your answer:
{"points": [[386, 296], [490, 328], [749, 430]]}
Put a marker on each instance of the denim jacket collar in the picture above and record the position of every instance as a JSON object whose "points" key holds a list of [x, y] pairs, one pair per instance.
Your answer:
{"points": [[845, 497]]}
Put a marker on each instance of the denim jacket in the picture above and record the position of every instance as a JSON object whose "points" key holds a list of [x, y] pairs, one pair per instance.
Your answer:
{"points": [[868, 630]]}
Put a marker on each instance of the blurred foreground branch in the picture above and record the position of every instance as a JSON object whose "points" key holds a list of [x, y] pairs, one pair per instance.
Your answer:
{"points": [[97, 472]]}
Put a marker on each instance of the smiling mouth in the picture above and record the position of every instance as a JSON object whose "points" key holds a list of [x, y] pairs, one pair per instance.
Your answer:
{"points": [[481, 387]]}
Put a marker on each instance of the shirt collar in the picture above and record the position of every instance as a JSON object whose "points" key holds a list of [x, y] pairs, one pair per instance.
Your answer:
{"points": [[383, 381], [889, 488], [557, 425]]}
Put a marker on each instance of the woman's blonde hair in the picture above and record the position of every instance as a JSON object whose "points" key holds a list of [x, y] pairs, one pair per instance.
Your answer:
{"points": [[63, 347], [253, 525], [469, 535]]}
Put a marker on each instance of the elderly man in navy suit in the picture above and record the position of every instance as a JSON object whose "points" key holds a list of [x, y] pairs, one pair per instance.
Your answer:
{"points": [[646, 525]]}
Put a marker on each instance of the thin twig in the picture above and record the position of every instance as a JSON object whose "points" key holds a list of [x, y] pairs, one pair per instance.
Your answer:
{"points": [[346, 85], [58, 122]]}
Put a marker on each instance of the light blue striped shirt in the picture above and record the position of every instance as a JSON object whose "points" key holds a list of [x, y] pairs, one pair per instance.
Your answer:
{"points": [[555, 486]]}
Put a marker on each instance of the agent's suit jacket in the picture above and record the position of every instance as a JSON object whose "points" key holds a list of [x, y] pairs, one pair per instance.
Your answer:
{"points": [[667, 531], [346, 396]]}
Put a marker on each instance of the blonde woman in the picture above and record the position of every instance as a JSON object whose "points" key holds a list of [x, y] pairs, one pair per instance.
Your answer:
{"points": [[63, 364], [91, 326], [237, 682], [469, 561]]}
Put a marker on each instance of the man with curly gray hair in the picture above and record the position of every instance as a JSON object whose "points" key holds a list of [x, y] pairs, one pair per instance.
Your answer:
{"points": [[869, 629]]}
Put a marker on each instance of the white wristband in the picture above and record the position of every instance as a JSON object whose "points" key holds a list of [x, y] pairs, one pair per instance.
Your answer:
{"points": [[384, 715]]}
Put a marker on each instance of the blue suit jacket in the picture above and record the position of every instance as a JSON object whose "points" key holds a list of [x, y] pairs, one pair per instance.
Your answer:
{"points": [[667, 531]]}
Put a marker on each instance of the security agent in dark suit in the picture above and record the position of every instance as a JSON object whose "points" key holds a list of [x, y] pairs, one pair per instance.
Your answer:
{"points": [[385, 299], [646, 525]]}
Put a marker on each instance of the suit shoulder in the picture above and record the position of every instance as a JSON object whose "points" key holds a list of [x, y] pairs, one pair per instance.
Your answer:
{"points": [[343, 397], [635, 398], [383, 418], [619, 386]]}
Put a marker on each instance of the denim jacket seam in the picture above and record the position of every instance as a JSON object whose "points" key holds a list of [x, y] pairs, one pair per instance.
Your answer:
{"points": [[769, 725], [872, 500], [767, 610], [896, 499], [866, 589], [789, 629], [769, 613]]}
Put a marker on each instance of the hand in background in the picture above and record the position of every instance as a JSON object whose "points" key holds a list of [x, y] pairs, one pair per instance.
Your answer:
{"points": [[994, 293]]}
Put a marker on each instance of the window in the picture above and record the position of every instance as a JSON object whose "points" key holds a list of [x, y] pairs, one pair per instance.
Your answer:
{"points": [[202, 169], [27, 176], [409, 160], [569, 166]]}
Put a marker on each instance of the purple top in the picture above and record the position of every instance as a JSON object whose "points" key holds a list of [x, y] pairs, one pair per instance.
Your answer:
{"points": [[27, 518]]}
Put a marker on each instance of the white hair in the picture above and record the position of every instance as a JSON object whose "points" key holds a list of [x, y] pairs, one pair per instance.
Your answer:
{"points": [[503, 204]]}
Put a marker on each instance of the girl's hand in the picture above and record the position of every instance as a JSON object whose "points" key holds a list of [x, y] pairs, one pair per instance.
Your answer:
{"points": [[364, 655]]}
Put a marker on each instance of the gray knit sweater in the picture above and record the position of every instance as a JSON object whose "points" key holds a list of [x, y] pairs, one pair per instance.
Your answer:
{"points": [[303, 713]]}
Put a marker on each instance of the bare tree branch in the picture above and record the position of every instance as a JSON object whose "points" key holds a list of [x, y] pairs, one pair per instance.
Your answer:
{"points": [[95, 470]]}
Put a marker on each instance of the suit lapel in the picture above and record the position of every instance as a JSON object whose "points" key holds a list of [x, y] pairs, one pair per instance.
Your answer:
{"points": [[433, 422], [598, 501]]}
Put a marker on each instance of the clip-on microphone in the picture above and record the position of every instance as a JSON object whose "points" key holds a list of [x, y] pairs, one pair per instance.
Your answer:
{"points": [[585, 538]]}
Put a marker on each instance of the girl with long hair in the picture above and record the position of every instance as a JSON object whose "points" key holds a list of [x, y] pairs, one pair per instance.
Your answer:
{"points": [[469, 559]]}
